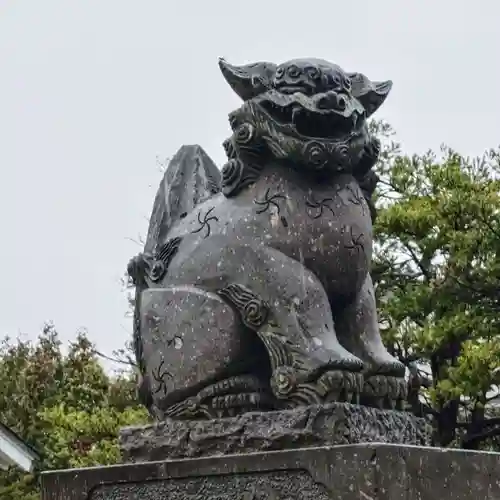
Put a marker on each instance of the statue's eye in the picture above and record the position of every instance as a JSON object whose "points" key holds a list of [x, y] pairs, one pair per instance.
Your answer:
{"points": [[332, 81], [313, 73], [293, 72], [280, 72]]}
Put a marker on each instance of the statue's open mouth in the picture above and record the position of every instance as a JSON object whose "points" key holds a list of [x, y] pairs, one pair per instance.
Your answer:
{"points": [[319, 116], [293, 89], [309, 123]]}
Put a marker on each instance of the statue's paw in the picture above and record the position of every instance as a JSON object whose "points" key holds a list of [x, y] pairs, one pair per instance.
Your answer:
{"points": [[331, 386], [378, 361], [341, 386], [228, 398], [341, 359], [346, 362], [384, 392], [386, 365]]}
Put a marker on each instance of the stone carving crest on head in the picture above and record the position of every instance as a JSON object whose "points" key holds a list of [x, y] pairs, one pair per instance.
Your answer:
{"points": [[254, 290], [307, 111]]}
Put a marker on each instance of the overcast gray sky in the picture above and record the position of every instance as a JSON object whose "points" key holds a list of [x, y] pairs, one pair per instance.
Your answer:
{"points": [[92, 91]]}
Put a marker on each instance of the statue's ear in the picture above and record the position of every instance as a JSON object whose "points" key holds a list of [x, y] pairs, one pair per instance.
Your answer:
{"points": [[371, 94], [250, 80]]}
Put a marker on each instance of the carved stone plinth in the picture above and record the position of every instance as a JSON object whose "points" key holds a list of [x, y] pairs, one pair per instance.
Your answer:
{"points": [[356, 472], [302, 427]]}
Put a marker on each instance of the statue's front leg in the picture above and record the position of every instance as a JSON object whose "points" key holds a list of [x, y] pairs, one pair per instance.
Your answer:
{"points": [[358, 331]]}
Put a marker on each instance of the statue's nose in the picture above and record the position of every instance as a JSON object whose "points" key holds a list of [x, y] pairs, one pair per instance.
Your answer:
{"points": [[332, 101]]}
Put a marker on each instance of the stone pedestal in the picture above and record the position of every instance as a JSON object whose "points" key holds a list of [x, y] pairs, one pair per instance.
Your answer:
{"points": [[302, 427], [335, 451], [351, 472]]}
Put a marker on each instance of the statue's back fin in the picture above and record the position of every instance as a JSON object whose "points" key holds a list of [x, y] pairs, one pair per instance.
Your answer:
{"points": [[190, 177]]}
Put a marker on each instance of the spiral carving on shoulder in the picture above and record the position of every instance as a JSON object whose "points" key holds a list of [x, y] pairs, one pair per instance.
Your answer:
{"points": [[162, 259]]}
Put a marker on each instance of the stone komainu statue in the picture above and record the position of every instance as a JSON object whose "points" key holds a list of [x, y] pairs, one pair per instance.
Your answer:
{"points": [[254, 291]]}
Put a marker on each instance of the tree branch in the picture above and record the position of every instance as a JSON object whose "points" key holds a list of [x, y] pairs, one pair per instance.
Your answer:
{"points": [[417, 261], [127, 362], [473, 441]]}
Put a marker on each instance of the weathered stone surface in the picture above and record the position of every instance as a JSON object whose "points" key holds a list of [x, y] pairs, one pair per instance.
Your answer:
{"points": [[325, 425], [245, 486], [358, 472], [284, 239], [196, 358]]}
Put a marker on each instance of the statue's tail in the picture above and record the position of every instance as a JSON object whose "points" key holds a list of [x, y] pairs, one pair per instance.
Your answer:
{"points": [[190, 178]]}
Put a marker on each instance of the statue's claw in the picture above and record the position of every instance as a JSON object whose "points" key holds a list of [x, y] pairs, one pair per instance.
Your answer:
{"points": [[384, 392]]}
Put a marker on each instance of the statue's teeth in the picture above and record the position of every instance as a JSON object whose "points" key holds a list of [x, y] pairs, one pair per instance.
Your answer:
{"points": [[295, 114]]}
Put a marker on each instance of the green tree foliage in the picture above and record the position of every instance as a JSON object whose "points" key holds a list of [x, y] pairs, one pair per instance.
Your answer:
{"points": [[64, 405], [437, 270]]}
